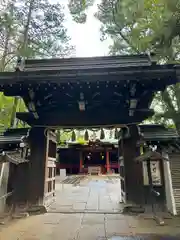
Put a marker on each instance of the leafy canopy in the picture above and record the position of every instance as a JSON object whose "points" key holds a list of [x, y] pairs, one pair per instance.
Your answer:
{"points": [[141, 26]]}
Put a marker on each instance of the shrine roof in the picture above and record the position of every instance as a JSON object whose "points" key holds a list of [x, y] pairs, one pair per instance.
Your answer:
{"points": [[97, 91], [11, 138], [158, 133], [87, 63], [61, 70], [149, 155]]}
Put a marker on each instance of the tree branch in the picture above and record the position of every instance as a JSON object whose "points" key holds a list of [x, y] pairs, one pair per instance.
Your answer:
{"points": [[114, 11]]}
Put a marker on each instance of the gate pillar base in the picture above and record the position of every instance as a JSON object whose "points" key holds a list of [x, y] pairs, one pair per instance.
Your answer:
{"points": [[128, 208], [37, 209]]}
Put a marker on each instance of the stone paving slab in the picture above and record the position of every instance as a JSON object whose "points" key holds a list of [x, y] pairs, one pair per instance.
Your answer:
{"points": [[102, 224], [95, 193], [85, 232], [92, 219], [81, 226]]}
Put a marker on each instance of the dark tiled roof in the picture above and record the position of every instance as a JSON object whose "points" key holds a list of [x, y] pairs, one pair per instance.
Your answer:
{"points": [[148, 155], [12, 136], [16, 131], [87, 63], [158, 133], [10, 139]]}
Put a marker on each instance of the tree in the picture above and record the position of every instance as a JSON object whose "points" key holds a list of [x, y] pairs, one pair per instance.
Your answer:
{"points": [[78, 9], [141, 26], [31, 29], [8, 30], [148, 26], [44, 30]]}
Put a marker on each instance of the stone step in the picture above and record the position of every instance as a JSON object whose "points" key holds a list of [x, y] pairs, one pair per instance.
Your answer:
{"points": [[175, 182], [176, 190], [175, 185]]}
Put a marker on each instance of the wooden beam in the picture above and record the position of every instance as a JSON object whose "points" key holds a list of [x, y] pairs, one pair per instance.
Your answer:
{"points": [[100, 117]]}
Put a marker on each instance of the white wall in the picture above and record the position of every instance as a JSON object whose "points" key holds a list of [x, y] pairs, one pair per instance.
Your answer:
{"points": [[170, 201], [4, 175]]}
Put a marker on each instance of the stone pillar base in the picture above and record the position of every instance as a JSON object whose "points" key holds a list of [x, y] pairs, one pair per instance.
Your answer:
{"points": [[30, 209], [36, 209]]}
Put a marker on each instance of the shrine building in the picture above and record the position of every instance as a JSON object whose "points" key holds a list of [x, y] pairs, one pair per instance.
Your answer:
{"points": [[99, 92]]}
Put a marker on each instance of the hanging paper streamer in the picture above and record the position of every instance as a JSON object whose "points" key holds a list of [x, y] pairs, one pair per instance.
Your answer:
{"points": [[86, 136], [102, 135], [141, 150], [73, 137], [111, 134], [116, 134]]}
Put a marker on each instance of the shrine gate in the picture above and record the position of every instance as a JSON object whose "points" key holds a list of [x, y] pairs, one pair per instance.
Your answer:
{"points": [[82, 92]]}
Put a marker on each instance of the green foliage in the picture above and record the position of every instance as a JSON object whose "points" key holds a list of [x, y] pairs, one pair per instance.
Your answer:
{"points": [[31, 29], [142, 26], [46, 34], [6, 106], [78, 9]]}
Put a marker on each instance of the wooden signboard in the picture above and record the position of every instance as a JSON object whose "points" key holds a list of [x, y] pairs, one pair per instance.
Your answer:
{"points": [[155, 172]]}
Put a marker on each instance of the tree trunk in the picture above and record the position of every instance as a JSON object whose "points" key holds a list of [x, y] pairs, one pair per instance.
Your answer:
{"points": [[23, 47], [26, 28], [8, 30], [13, 114], [5, 52]]}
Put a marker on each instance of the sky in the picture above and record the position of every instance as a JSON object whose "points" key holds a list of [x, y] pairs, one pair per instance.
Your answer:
{"points": [[85, 37]]}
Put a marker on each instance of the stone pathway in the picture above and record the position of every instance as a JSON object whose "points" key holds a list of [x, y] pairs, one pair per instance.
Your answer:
{"points": [[92, 194], [84, 219]]}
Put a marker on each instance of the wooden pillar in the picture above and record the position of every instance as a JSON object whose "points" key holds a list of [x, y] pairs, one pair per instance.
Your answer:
{"points": [[37, 166], [132, 171], [42, 166], [80, 161], [21, 185], [107, 161]]}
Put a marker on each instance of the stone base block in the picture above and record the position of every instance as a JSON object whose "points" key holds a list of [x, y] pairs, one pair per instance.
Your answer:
{"points": [[37, 210]]}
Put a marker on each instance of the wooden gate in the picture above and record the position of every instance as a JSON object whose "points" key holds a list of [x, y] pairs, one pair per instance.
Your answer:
{"points": [[50, 167]]}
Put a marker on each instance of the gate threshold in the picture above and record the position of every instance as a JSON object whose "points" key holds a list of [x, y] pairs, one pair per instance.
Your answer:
{"points": [[83, 211]]}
